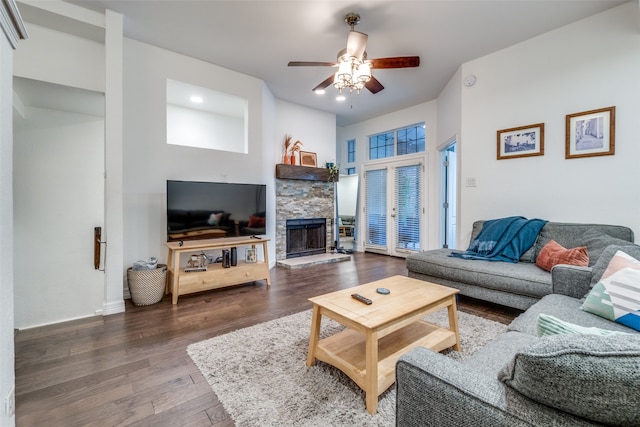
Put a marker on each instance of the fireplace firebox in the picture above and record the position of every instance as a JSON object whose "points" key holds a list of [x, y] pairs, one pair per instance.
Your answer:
{"points": [[306, 236]]}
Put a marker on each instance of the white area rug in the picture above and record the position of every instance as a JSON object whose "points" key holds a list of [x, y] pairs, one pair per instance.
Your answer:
{"points": [[260, 373]]}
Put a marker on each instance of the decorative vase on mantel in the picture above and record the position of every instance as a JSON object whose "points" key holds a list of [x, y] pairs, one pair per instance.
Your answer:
{"points": [[293, 158]]}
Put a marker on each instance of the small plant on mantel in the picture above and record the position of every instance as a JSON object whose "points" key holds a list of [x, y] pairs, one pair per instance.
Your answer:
{"points": [[334, 170]]}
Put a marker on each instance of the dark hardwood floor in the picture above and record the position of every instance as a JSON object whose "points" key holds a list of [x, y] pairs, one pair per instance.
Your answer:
{"points": [[132, 368]]}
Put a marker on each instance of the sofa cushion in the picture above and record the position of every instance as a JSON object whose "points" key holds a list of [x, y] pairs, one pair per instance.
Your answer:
{"points": [[553, 254], [617, 295], [492, 358], [603, 262], [596, 242], [564, 308], [571, 235], [549, 325], [520, 278], [589, 376]]}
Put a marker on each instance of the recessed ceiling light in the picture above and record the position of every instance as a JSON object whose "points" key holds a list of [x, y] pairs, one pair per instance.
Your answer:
{"points": [[340, 98], [320, 91], [196, 99]]}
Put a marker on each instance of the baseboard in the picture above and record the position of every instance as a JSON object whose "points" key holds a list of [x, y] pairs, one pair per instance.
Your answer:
{"points": [[112, 307]]}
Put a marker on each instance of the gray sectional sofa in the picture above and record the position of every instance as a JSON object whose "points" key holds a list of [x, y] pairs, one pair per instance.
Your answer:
{"points": [[520, 379], [522, 284]]}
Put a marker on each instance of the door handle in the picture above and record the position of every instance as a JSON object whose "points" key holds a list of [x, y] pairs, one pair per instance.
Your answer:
{"points": [[97, 242]]}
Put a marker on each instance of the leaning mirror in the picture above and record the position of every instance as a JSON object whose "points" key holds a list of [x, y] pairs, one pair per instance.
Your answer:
{"points": [[205, 118]]}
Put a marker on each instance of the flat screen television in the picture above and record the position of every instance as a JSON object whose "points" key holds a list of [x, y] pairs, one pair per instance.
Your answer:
{"points": [[208, 210]]}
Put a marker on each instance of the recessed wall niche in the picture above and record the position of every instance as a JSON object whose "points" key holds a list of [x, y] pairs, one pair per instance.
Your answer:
{"points": [[204, 118]]}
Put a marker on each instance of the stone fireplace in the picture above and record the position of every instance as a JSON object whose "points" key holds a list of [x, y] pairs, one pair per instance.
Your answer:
{"points": [[302, 199]]}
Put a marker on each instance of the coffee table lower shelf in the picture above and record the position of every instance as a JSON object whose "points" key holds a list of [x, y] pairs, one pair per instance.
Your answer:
{"points": [[347, 350]]}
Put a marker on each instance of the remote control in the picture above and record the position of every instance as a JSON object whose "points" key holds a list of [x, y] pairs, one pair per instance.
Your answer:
{"points": [[362, 299]]}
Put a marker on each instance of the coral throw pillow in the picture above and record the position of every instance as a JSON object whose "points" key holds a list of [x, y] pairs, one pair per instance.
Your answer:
{"points": [[617, 295], [554, 253]]}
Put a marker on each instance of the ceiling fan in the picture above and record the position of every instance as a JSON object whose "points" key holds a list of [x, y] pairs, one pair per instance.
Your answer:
{"points": [[354, 69]]}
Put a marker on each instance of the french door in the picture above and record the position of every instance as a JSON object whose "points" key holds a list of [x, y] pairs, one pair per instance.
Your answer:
{"points": [[393, 207]]}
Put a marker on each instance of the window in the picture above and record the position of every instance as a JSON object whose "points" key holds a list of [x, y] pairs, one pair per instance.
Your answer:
{"points": [[351, 171], [381, 145], [410, 140], [351, 151]]}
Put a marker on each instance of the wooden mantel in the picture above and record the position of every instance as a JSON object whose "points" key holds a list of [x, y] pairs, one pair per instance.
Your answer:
{"points": [[304, 173]]}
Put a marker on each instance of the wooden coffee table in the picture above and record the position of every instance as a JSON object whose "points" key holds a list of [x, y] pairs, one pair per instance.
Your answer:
{"points": [[378, 334]]}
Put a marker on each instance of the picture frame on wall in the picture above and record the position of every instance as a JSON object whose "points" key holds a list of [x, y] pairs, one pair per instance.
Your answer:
{"points": [[308, 159], [523, 141], [250, 256], [591, 133]]}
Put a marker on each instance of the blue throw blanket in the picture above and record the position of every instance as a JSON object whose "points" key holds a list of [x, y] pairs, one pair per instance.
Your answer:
{"points": [[504, 239]]}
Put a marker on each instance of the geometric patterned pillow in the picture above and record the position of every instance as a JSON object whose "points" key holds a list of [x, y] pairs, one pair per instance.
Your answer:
{"points": [[617, 295]]}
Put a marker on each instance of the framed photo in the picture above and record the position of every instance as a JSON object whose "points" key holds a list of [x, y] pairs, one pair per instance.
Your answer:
{"points": [[523, 141], [591, 133], [250, 255], [308, 159]]}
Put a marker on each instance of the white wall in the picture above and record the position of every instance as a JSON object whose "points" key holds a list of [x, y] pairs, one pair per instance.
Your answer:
{"points": [[425, 112], [149, 161], [315, 129], [594, 63], [57, 57], [7, 375], [449, 107], [202, 129]]}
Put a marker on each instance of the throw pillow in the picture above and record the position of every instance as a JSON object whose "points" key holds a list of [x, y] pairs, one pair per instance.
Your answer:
{"points": [[589, 376], [617, 295], [549, 325], [553, 253], [256, 221], [603, 262], [596, 242]]}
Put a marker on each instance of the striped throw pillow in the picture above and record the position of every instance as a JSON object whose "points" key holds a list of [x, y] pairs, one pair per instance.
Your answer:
{"points": [[549, 325]]}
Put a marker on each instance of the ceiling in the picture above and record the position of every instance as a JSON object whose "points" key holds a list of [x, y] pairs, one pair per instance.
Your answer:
{"points": [[259, 38]]}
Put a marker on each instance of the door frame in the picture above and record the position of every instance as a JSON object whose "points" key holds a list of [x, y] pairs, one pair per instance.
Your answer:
{"points": [[447, 240]]}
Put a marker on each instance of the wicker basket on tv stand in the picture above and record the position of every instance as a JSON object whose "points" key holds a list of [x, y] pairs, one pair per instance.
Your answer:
{"points": [[180, 282]]}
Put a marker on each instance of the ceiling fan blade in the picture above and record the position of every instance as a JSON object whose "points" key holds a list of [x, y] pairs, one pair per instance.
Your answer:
{"points": [[311, 64], [357, 44], [395, 62], [374, 85], [325, 84]]}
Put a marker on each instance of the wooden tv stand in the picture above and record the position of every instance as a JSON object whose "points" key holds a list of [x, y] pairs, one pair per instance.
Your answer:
{"points": [[180, 282]]}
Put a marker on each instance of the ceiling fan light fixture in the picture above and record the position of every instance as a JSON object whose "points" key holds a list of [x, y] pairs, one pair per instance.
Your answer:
{"points": [[354, 68], [363, 72], [344, 73]]}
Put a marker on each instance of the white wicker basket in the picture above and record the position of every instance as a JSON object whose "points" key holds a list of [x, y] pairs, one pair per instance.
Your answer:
{"points": [[147, 286]]}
